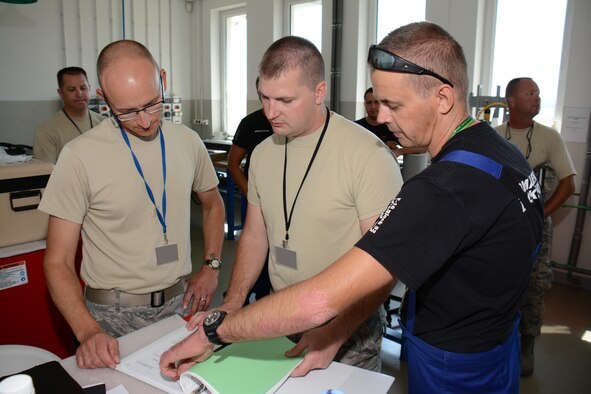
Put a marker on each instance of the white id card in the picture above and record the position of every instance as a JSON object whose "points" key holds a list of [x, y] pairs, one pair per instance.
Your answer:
{"points": [[286, 258], [167, 254]]}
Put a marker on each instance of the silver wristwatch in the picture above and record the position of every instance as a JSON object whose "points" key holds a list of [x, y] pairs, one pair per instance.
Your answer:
{"points": [[214, 263]]}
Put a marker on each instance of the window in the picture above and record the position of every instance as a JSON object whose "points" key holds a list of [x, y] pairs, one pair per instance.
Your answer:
{"points": [[391, 14], [234, 82], [530, 47], [305, 20]]}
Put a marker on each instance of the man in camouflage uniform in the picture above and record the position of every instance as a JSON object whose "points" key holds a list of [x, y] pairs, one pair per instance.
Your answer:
{"points": [[532, 310], [546, 153]]}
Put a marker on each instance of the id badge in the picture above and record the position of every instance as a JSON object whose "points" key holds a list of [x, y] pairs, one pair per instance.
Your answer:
{"points": [[286, 258], [167, 254]]}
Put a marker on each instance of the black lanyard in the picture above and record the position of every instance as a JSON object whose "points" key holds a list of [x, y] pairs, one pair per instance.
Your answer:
{"points": [[288, 219], [528, 136], [74, 123]]}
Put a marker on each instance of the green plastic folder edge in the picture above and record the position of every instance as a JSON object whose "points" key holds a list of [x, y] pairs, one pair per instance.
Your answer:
{"points": [[247, 367]]}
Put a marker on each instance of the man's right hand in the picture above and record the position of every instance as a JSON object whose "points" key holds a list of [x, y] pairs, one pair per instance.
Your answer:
{"points": [[98, 350]]}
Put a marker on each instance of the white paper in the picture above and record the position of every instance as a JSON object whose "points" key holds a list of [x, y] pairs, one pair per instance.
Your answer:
{"points": [[339, 376], [145, 363], [575, 124]]}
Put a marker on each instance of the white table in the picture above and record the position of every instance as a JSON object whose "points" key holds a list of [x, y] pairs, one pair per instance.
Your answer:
{"points": [[338, 376]]}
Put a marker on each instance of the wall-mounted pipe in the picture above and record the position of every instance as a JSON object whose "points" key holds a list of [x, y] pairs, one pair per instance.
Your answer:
{"points": [[336, 58], [123, 19]]}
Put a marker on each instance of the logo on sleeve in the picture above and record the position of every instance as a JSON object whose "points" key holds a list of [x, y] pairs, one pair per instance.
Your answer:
{"points": [[531, 188], [384, 215]]}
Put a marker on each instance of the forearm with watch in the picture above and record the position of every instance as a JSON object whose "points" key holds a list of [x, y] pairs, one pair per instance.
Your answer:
{"points": [[213, 262]]}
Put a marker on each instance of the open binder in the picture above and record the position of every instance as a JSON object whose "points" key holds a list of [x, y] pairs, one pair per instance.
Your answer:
{"points": [[245, 367]]}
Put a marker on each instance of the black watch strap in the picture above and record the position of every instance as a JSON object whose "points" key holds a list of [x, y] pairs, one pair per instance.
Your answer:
{"points": [[210, 324]]}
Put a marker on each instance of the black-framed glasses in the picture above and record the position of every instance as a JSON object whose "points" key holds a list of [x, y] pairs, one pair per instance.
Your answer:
{"points": [[149, 109], [384, 60]]}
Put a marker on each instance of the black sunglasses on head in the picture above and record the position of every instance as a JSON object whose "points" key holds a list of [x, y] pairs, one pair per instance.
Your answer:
{"points": [[384, 60]]}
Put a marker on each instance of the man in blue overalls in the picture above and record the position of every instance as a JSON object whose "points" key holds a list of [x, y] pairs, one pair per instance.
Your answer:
{"points": [[462, 235]]}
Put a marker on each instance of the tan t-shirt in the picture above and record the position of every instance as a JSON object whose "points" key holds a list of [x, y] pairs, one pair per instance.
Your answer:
{"points": [[547, 146], [56, 132], [353, 177], [95, 183]]}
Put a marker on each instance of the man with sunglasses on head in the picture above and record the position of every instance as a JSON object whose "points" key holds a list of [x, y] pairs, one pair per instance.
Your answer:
{"points": [[547, 154], [126, 187], [71, 121], [462, 235]]}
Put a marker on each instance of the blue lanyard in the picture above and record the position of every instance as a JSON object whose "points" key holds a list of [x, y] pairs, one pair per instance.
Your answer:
{"points": [[161, 216]]}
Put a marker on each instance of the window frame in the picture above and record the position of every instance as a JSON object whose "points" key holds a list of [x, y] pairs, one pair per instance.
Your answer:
{"points": [[287, 26], [223, 17], [484, 73]]}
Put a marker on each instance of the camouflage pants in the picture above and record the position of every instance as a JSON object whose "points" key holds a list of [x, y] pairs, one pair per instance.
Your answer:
{"points": [[125, 319], [363, 348], [532, 310]]}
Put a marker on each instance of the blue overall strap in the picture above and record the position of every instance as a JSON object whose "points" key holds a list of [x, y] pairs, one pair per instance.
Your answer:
{"points": [[475, 160], [431, 369]]}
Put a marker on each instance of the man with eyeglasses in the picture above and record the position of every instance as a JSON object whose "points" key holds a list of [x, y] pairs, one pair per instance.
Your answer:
{"points": [[462, 235], [547, 154], [71, 121], [126, 187]]}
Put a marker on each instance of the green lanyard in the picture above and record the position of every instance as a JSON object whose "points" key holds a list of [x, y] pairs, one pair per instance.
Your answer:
{"points": [[462, 126]]}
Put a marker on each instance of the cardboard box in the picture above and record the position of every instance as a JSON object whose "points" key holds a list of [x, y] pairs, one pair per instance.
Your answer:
{"points": [[21, 188]]}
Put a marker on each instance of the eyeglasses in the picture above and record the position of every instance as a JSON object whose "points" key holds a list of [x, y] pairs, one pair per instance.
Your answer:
{"points": [[384, 60], [149, 109]]}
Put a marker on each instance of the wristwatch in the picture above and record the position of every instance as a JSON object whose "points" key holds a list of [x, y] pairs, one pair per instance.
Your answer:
{"points": [[211, 324], [214, 263]]}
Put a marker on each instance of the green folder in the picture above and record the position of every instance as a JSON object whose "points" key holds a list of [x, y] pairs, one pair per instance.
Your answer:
{"points": [[244, 367]]}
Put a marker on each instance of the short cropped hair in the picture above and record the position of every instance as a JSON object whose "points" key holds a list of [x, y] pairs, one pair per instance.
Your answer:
{"points": [[69, 71], [293, 53], [513, 84], [431, 47], [369, 90]]}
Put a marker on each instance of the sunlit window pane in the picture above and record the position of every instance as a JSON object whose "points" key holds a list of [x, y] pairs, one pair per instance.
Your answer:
{"points": [[235, 72], [530, 47], [395, 13], [306, 21]]}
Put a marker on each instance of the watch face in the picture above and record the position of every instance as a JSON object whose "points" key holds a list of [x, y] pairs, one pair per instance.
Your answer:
{"points": [[211, 318], [214, 263]]}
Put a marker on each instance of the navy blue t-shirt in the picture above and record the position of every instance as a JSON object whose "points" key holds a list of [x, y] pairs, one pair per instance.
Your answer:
{"points": [[253, 129], [463, 242], [381, 130]]}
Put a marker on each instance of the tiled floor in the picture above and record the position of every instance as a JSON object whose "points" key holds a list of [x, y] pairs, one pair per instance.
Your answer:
{"points": [[563, 351]]}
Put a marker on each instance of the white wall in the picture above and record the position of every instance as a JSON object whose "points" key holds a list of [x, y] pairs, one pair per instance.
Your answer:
{"points": [[36, 40], [576, 81]]}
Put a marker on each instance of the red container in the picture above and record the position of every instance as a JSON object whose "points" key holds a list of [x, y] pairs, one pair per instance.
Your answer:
{"points": [[29, 316]]}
